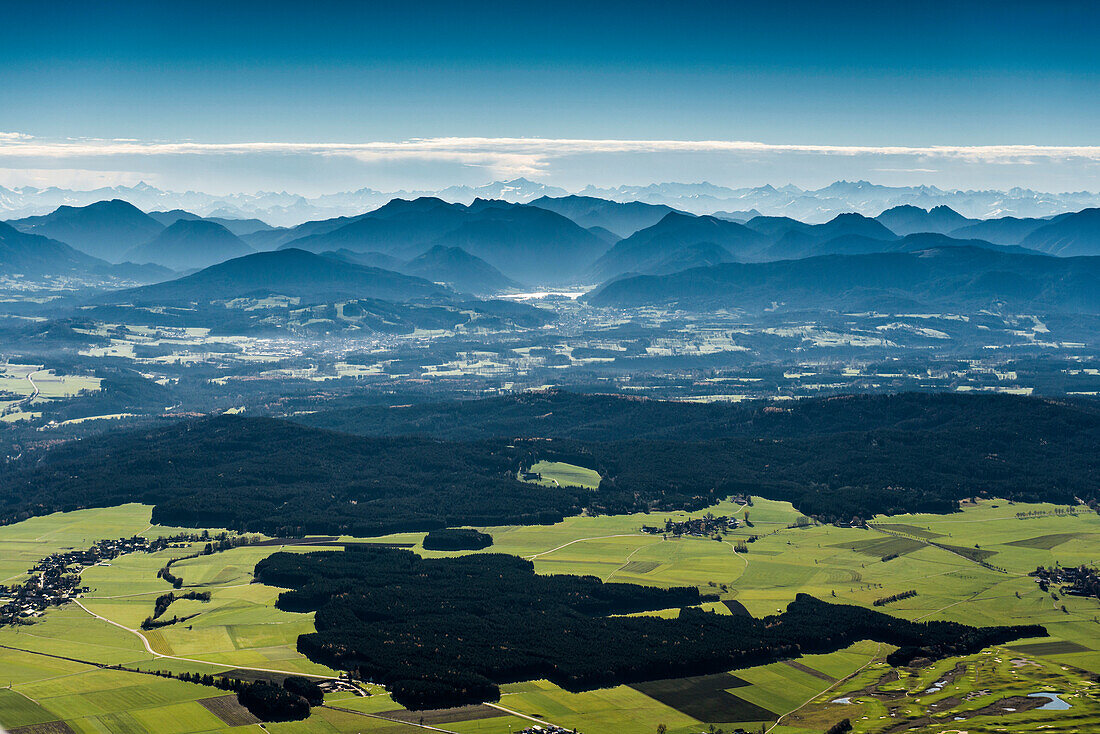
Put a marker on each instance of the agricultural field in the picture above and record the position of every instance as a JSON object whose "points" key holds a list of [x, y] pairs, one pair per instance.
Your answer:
{"points": [[969, 567], [23, 386]]}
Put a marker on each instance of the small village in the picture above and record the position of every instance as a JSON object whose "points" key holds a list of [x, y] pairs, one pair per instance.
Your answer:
{"points": [[1073, 580], [55, 579], [703, 527]]}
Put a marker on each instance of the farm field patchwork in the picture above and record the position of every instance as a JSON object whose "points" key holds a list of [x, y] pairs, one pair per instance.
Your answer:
{"points": [[240, 628]]}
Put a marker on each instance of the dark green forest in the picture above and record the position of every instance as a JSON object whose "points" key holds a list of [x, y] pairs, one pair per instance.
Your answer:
{"points": [[453, 464], [456, 539], [448, 631], [275, 477]]}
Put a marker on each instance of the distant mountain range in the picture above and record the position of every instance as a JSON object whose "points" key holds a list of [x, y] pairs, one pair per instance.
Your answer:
{"points": [[956, 278], [801, 239], [676, 233], [526, 243], [816, 205], [1069, 235], [680, 241], [293, 290], [35, 255], [238, 227], [820, 205], [488, 246], [621, 219]]}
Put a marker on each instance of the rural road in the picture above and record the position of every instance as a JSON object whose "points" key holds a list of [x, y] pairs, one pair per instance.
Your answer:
{"points": [[810, 700], [628, 558], [581, 540], [35, 392], [149, 649], [517, 713]]}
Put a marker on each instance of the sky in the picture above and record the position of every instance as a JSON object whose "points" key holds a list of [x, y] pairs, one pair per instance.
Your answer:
{"points": [[321, 97]]}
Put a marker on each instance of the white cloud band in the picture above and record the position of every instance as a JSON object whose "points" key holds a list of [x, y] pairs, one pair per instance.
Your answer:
{"points": [[516, 156], [19, 145]]}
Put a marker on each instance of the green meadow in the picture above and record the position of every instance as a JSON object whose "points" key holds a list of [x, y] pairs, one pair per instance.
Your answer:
{"points": [[560, 474], [935, 555]]}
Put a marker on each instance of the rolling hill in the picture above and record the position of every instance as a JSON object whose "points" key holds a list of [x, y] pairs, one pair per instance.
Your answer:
{"points": [[190, 243]]}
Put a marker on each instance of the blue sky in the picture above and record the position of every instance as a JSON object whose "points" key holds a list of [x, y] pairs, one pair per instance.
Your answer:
{"points": [[960, 76]]}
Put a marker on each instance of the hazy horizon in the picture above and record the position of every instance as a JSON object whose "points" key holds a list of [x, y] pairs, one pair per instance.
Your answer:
{"points": [[244, 98]]}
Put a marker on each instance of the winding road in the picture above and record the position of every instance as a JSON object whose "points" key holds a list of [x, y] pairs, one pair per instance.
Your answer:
{"points": [[581, 540], [149, 649], [35, 392]]}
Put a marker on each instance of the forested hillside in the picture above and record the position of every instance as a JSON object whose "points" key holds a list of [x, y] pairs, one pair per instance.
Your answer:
{"points": [[270, 476], [835, 458], [613, 417]]}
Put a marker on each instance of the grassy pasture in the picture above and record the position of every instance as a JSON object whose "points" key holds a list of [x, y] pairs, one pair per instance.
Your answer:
{"points": [[880, 547], [241, 628], [24, 544], [557, 473]]}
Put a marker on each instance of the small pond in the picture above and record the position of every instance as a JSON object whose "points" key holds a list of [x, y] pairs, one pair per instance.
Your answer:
{"points": [[1055, 702]]}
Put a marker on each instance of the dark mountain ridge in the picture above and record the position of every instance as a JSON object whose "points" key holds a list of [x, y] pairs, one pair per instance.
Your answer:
{"points": [[957, 277], [802, 240], [1069, 235], [909, 219], [620, 218], [525, 243], [676, 232], [238, 227], [105, 229], [459, 270], [190, 243], [34, 256], [401, 228], [293, 273]]}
